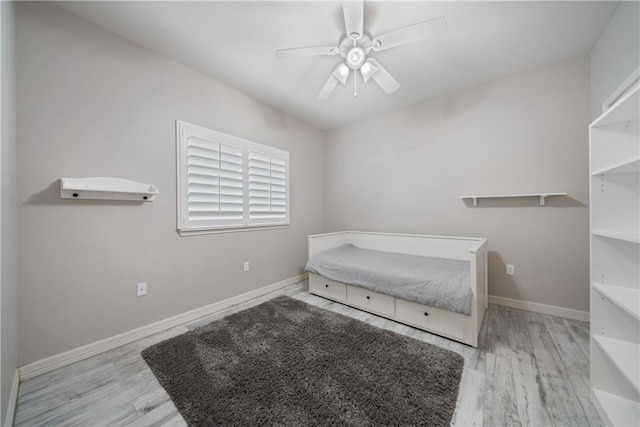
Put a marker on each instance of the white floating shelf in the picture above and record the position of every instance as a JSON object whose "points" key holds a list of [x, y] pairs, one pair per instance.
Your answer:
{"points": [[624, 355], [542, 197], [628, 166], [620, 411], [106, 188], [626, 298], [618, 235], [625, 110]]}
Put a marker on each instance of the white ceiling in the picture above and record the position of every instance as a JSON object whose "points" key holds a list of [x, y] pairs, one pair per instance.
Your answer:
{"points": [[234, 43]]}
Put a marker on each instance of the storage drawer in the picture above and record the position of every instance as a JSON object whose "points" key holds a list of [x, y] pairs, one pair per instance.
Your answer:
{"points": [[327, 288], [371, 301], [430, 318]]}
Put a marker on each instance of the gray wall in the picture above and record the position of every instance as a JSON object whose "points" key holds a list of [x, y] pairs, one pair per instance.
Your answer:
{"points": [[615, 55], [404, 172], [93, 104], [8, 240]]}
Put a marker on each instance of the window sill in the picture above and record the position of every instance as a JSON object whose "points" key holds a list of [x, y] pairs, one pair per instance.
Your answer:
{"points": [[198, 232]]}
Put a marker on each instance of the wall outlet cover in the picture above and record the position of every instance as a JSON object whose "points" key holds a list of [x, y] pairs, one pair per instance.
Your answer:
{"points": [[511, 270], [141, 289]]}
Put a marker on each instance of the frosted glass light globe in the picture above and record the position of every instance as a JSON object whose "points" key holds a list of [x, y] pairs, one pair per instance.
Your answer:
{"points": [[355, 57]]}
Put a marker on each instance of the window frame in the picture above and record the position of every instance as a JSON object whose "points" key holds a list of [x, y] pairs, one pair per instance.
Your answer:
{"points": [[185, 226]]}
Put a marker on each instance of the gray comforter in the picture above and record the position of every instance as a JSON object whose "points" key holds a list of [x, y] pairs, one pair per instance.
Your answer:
{"points": [[438, 282]]}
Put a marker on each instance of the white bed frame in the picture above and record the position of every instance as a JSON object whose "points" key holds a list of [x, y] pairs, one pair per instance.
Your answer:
{"points": [[456, 326]]}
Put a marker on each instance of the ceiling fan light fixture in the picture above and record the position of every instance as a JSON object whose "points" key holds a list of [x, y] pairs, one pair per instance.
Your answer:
{"points": [[356, 44], [368, 70], [355, 57], [341, 73]]}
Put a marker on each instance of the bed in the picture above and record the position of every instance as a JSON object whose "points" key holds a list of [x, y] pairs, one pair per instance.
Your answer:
{"points": [[434, 283]]}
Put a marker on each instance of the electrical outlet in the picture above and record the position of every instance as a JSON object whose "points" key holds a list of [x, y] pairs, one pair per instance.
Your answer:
{"points": [[246, 266], [142, 289], [511, 269]]}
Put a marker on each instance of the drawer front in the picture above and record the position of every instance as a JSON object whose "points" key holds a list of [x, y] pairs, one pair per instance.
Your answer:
{"points": [[371, 301], [430, 318], [327, 288]]}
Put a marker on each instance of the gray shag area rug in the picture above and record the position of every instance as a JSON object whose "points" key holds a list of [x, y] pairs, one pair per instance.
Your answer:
{"points": [[288, 363]]}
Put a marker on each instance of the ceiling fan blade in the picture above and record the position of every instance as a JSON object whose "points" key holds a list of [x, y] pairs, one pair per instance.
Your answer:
{"points": [[339, 75], [328, 88], [306, 51], [410, 34], [383, 78], [353, 17]]}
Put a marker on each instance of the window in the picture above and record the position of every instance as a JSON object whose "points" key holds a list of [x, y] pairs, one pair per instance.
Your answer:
{"points": [[225, 182]]}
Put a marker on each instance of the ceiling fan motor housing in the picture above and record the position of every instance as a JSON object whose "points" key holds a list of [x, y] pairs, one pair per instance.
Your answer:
{"points": [[355, 51]]}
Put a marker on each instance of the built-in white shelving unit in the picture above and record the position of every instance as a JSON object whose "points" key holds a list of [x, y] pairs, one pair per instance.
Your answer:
{"points": [[614, 140], [106, 188], [542, 197]]}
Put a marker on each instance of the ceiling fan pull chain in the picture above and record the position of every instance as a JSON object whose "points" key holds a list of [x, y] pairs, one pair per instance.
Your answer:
{"points": [[355, 84], [355, 75]]}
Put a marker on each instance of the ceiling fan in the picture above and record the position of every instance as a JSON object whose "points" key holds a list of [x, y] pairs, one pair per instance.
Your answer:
{"points": [[355, 45]]}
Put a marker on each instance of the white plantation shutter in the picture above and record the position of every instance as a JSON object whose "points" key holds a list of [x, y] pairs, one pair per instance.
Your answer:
{"points": [[267, 186], [215, 180], [228, 182]]}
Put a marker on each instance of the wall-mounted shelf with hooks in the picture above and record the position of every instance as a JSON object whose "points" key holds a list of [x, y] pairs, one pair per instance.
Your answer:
{"points": [[542, 197], [106, 188]]}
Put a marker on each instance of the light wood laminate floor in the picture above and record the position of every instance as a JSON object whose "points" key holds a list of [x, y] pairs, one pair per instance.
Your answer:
{"points": [[530, 369]]}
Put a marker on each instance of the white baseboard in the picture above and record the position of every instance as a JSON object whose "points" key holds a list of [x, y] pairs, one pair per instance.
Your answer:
{"points": [[59, 360], [13, 400], [536, 307]]}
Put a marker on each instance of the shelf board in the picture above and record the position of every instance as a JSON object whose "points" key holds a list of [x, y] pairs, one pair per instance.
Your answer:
{"points": [[624, 355], [617, 410], [106, 188], [627, 166], [542, 196], [626, 298], [618, 235], [625, 110]]}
